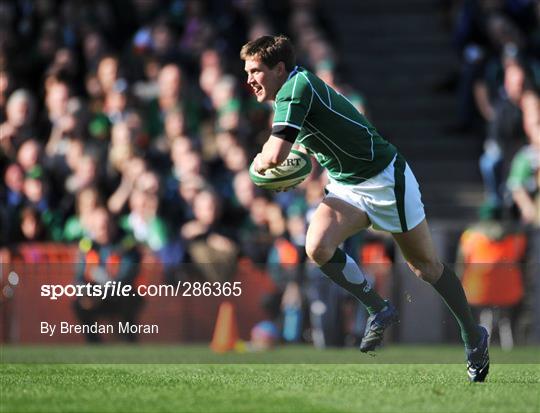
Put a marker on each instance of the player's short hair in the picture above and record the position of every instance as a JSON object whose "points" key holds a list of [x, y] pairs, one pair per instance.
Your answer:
{"points": [[270, 50]]}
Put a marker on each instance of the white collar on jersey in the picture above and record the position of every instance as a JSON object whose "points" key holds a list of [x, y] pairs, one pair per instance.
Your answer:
{"points": [[293, 72]]}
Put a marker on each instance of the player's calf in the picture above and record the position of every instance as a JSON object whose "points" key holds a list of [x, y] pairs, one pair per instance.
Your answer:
{"points": [[344, 271], [428, 271]]}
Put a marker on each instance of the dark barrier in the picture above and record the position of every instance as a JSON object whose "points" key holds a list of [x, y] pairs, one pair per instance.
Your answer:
{"points": [[183, 311]]}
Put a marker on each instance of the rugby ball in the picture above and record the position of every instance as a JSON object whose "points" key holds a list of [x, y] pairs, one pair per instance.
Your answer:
{"points": [[290, 173]]}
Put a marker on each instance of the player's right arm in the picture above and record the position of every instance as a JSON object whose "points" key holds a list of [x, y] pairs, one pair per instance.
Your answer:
{"points": [[273, 153], [292, 105]]}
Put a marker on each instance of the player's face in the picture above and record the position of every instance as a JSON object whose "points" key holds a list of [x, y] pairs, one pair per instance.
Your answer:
{"points": [[264, 81]]}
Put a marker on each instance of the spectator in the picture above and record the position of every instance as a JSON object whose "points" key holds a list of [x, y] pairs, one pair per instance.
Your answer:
{"points": [[244, 194], [209, 243], [187, 163], [245, 190], [94, 47], [172, 91], [131, 169], [79, 225], [226, 104], [188, 189], [57, 95], [235, 160], [31, 226], [255, 233], [211, 70], [524, 177], [146, 88], [13, 180], [84, 175], [107, 255], [108, 73], [60, 167], [121, 149], [150, 227], [198, 30], [504, 131], [163, 42], [36, 196], [174, 127], [12, 201], [143, 221], [65, 64], [18, 126], [29, 154], [115, 105], [482, 30]]}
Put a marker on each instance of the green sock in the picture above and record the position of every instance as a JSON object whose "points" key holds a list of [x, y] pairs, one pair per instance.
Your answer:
{"points": [[345, 272], [451, 290]]}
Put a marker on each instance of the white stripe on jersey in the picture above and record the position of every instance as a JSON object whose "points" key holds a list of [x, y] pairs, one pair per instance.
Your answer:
{"points": [[292, 97], [336, 145], [292, 125]]}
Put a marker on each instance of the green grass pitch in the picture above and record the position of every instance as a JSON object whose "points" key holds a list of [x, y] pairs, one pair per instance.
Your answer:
{"points": [[192, 379]]}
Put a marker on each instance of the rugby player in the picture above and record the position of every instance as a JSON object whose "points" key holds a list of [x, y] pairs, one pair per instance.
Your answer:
{"points": [[370, 184]]}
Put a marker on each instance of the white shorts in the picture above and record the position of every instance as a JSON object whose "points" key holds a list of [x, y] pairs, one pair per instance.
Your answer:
{"points": [[391, 199]]}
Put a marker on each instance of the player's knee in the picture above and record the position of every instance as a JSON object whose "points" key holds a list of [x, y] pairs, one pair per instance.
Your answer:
{"points": [[319, 252], [428, 271]]}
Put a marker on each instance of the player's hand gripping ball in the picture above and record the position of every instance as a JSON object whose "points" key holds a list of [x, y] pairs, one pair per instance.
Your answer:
{"points": [[290, 173]]}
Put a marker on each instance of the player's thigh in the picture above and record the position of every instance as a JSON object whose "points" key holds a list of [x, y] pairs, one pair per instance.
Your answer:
{"points": [[333, 222], [419, 251]]}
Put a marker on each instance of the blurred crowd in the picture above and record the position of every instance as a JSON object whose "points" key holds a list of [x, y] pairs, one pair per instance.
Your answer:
{"points": [[128, 124], [498, 89], [498, 42], [140, 106]]}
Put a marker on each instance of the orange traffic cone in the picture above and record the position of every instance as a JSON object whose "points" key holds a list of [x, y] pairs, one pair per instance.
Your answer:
{"points": [[226, 330]]}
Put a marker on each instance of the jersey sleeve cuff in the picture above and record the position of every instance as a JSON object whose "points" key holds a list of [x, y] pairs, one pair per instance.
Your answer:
{"points": [[285, 131]]}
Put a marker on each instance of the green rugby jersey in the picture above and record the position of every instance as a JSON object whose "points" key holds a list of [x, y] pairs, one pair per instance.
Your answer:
{"points": [[330, 128]]}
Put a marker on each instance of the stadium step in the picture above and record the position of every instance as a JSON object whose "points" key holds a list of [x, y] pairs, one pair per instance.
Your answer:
{"points": [[396, 6], [417, 64], [391, 107], [413, 43], [363, 23], [462, 150]]}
